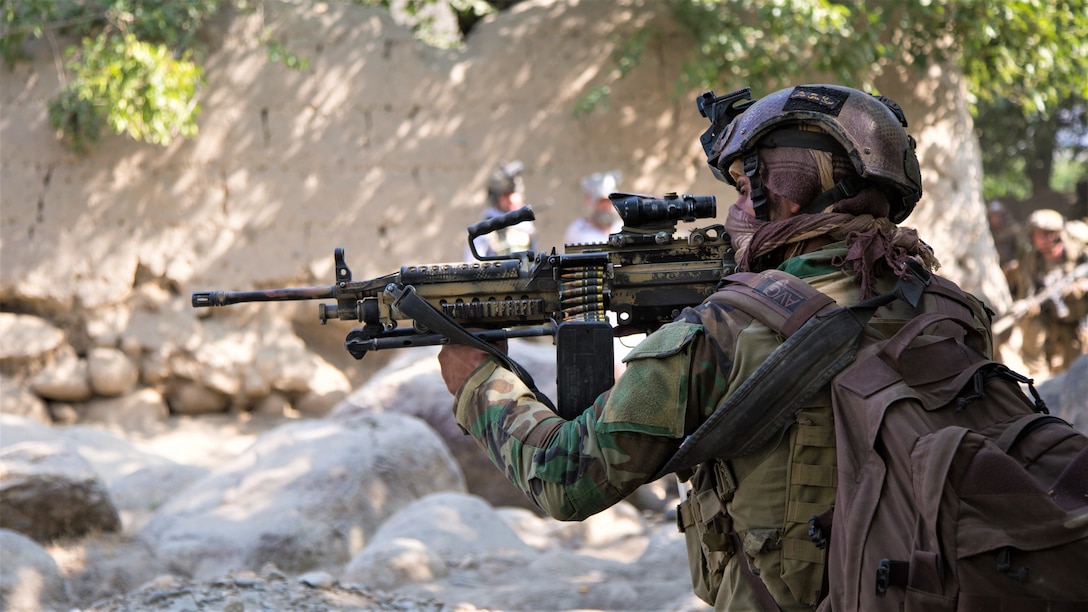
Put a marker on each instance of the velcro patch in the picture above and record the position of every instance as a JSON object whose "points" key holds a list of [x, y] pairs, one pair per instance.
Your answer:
{"points": [[781, 293], [816, 99]]}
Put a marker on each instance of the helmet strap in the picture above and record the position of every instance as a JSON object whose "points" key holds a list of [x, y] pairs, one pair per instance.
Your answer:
{"points": [[755, 186], [846, 188]]}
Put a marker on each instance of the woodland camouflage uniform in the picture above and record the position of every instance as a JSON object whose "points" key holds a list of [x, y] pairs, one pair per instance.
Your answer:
{"points": [[674, 380], [751, 512]]}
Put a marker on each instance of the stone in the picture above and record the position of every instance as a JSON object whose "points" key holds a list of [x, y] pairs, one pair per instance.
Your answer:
{"points": [[65, 380], [111, 372], [48, 491]]}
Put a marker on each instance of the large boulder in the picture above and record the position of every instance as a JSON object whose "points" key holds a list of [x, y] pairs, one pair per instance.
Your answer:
{"points": [[412, 384], [29, 578], [305, 496], [1066, 394], [418, 543], [47, 489]]}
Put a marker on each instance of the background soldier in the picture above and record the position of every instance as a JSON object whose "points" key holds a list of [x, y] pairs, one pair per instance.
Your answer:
{"points": [[505, 192], [600, 218], [1006, 233], [1050, 289]]}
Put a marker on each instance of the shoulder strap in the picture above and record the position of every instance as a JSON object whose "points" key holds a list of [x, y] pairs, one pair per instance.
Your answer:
{"points": [[821, 347], [779, 300]]}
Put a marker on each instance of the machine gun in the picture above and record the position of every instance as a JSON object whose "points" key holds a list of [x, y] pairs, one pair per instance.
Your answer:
{"points": [[645, 274], [1053, 293]]}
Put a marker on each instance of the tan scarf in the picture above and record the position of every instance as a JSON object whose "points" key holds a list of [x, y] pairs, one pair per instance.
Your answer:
{"points": [[875, 246]]}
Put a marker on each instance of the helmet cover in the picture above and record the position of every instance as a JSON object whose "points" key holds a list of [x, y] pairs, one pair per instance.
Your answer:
{"points": [[869, 129], [505, 179]]}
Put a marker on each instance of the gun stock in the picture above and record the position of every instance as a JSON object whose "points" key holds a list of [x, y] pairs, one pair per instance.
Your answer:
{"points": [[646, 274]]}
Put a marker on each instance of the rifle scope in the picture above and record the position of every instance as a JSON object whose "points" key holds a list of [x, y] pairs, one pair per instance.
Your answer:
{"points": [[643, 211]]}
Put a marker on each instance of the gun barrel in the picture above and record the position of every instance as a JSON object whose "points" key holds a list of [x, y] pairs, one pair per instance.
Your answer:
{"points": [[204, 299]]}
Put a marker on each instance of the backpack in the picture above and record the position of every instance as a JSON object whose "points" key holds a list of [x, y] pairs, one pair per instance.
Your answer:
{"points": [[955, 490]]}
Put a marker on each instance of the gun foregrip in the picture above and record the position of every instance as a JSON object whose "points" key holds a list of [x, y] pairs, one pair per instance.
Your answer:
{"points": [[525, 213]]}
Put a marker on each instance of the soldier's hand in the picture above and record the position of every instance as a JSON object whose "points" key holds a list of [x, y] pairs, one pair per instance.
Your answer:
{"points": [[458, 362], [1077, 289]]}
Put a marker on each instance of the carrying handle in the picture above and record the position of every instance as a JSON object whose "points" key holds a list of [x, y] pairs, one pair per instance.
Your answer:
{"points": [[894, 347]]}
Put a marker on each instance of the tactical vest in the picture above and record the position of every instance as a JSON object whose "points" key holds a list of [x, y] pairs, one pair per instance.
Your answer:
{"points": [[764, 502], [728, 496]]}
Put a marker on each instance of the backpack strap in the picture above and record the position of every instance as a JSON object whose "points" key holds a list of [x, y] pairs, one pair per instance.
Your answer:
{"points": [[768, 400], [779, 300]]}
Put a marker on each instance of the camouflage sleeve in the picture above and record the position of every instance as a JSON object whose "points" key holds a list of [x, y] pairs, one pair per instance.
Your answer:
{"points": [[574, 469]]}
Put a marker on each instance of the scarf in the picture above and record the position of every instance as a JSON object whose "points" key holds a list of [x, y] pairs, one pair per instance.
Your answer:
{"points": [[875, 245]]}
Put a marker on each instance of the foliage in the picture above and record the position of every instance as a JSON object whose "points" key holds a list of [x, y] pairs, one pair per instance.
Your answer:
{"points": [[1022, 56], [133, 86], [135, 67], [1028, 154], [132, 72], [1034, 52]]}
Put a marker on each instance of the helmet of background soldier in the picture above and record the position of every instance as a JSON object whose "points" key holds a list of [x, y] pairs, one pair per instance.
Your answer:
{"points": [[504, 180], [600, 185], [1046, 219], [870, 130]]}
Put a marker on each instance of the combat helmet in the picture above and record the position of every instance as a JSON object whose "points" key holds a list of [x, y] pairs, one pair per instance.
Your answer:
{"points": [[1047, 219], [505, 179], [868, 129]]}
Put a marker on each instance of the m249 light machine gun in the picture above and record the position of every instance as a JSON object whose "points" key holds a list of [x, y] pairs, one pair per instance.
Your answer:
{"points": [[646, 274]]}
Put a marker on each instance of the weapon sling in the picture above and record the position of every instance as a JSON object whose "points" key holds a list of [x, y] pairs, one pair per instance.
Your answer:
{"points": [[408, 301], [826, 340]]}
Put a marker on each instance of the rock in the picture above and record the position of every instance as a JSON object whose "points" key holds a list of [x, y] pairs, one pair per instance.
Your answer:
{"points": [[244, 591], [111, 372], [436, 529], [1066, 394], [614, 533], [106, 564], [65, 380], [412, 384], [327, 386], [273, 405], [393, 563], [64, 413], [17, 400], [135, 411], [28, 342], [29, 578], [620, 522], [139, 494], [305, 496], [110, 455], [15, 429], [1074, 396], [188, 397], [48, 491]]}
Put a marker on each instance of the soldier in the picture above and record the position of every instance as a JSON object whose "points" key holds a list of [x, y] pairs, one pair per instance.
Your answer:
{"points": [[1006, 233], [823, 174], [505, 193], [1051, 296], [600, 218]]}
